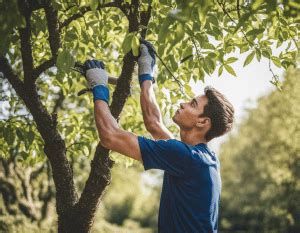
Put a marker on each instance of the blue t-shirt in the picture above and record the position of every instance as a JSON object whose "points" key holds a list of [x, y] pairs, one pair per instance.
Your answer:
{"points": [[191, 187]]}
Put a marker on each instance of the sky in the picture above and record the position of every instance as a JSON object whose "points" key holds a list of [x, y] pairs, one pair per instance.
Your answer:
{"points": [[242, 91]]}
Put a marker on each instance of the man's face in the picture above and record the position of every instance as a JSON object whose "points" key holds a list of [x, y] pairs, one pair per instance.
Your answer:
{"points": [[187, 116]]}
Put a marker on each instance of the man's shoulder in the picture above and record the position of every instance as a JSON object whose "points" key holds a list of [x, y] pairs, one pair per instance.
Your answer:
{"points": [[175, 143], [202, 153]]}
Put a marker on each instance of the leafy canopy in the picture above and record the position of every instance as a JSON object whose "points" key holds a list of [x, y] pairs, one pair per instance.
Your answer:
{"points": [[194, 39]]}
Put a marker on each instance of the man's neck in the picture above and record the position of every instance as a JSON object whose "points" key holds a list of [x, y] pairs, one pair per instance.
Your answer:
{"points": [[192, 137]]}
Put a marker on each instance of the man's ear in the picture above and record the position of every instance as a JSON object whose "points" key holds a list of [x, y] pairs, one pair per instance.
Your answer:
{"points": [[203, 122]]}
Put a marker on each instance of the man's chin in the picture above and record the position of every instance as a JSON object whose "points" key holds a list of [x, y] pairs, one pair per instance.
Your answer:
{"points": [[174, 119]]}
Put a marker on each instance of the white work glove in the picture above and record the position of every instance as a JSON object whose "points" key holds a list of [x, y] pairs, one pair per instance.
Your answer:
{"points": [[95, 73], [145, 61]]}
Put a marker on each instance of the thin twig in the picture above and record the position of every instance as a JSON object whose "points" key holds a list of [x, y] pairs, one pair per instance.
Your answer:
{"points": [[232, 20], [84, 10]]}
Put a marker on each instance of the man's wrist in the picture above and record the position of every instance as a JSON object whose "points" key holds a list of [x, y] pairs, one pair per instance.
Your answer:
{"points": [[144, 77], [101, 92]]}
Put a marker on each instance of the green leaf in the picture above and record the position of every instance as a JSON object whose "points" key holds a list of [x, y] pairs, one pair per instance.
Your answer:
{"points": [[202, 17], [65, 61], [230, 70], [210, 64], [174, 64], [71, 36], [201, 74], [255, 32], [256, 4], [9, 136], [30, 137], [126, 46], [242, 21], [276, 61], [220, 71], [188, 90], [164, 30], [94, 4], [231, 60], [179, 32], [258, 54], [77, 26], [249, 58], [187, 54], [86, 150], [20, 134], [207, 46], [266, 53], [135, 45]]}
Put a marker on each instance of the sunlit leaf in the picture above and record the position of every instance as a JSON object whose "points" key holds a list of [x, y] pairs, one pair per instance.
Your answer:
{"points": [[94, 4], [126, 46], [230, 70], [135, 45], [249, 58], [65, 61]]}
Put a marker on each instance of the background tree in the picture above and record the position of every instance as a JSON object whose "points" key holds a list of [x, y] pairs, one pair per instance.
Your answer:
{"points": [[40, 41], [260, 165]]}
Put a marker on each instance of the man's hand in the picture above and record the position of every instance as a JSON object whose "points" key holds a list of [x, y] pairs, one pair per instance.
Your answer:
{"points": [[95, 73], [97, 79], [146, 61]]}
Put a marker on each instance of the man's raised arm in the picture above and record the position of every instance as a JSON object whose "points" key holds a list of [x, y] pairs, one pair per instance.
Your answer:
{"points": [[150, 109], [111, 136]]}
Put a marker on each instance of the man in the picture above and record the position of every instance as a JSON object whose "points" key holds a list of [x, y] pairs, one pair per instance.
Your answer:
{"points": [[192, 185]]}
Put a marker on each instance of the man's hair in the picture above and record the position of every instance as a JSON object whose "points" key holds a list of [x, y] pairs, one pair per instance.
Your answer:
{"points": [[220, 111]]}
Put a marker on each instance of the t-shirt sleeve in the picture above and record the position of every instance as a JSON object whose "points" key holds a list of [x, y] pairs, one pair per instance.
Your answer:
{"points": [[169, 155]]}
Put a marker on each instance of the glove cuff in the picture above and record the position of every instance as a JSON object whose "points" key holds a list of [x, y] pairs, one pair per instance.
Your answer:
{"points": [[144, 77], [101, 92]]}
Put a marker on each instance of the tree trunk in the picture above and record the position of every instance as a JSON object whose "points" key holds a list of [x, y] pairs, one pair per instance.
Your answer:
{"points": [[73, 215]]}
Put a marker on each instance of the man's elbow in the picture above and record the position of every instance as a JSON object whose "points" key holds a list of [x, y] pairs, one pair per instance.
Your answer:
{"points": [[153, 126], [106, 139]]}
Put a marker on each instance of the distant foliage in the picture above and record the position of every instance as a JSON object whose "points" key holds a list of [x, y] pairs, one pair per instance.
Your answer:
{"points": [[261, 165]]}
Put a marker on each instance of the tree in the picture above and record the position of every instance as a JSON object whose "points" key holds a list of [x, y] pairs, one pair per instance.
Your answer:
{"points": [[40, 41], [260, 165]]}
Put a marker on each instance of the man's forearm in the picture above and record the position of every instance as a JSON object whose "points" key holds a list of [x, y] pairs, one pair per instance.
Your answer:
{"points": [[111, 136], [150, 108], [105, 122]]}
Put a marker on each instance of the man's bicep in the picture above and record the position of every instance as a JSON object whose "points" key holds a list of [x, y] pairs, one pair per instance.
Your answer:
{"points": [[160, 131], [126, 143]]}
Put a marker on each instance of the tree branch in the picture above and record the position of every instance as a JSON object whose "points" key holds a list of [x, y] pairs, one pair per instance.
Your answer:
{"points": [[58, 102], [223, 7], [35, 5], [26, 48], [53, 29], [238, 8], [83, 10], [35, 173], [145, 18], [9, 74], [43, 67]]}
